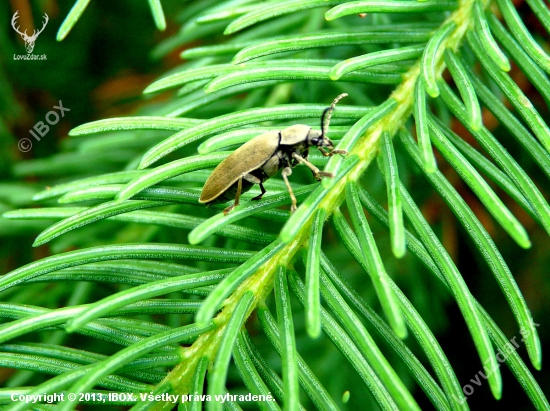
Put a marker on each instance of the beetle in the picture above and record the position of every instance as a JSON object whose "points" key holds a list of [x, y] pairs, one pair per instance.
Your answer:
{"points": [[263, 156]]}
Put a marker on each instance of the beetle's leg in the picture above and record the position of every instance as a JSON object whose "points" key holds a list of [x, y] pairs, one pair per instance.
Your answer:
{"points": [[316, 172], [255, 180], [331, 153], [251, 178], [306, 158], [237, 197], [258, 197], [285, 173], [323, 152]]}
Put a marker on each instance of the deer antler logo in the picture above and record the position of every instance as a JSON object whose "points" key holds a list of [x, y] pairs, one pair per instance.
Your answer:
{"points": [[29, 40]]}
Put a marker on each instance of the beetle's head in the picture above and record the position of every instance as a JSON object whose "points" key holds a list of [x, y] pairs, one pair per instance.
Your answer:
{"points": [[317, 139]]}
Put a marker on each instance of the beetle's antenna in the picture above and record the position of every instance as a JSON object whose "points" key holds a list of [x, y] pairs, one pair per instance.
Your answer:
{"points": [[328, 114]]}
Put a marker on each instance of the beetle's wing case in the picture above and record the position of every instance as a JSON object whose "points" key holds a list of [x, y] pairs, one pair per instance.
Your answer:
{"points": [[247, 158], [295, 134]]}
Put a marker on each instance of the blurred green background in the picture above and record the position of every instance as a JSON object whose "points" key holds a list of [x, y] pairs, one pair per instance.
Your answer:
{"points": [[100, 71]]}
